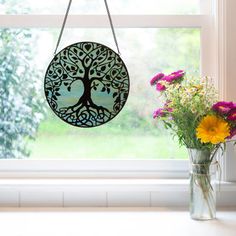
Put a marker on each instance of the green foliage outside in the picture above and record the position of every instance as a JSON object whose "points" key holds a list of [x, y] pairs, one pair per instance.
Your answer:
{"points": [[20, 105], [113, 140]]}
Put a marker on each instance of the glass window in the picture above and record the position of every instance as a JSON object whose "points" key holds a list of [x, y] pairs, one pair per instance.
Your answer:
{"points": [[133, 134]]}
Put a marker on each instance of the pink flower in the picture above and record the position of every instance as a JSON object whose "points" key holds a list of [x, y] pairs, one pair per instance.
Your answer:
{"points": [[223, 107], [232, 133], [158, 113], [167, 108], [160, 87], [161, 112], [156, 78], [174, 76], [233, 107], [232, 115]]}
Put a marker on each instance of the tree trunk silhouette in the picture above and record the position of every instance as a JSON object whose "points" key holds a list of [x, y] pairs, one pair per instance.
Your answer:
{"points": [[86, 102]]}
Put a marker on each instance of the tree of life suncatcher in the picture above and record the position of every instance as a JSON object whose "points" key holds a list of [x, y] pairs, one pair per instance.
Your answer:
{"points": [[86, 84]]}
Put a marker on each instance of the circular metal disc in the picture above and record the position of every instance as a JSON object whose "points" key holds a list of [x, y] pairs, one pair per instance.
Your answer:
{"points": [[86, 84]]}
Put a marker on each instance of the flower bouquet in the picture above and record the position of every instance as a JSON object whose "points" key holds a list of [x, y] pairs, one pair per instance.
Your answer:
{"points": [[202, 124]]}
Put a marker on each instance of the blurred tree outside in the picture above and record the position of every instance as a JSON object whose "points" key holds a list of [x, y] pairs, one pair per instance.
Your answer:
{"points": [[21, 107]]}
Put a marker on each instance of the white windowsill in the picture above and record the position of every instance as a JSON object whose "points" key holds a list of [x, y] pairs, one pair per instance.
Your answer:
{"points": [[103, 193], [113, 221]]}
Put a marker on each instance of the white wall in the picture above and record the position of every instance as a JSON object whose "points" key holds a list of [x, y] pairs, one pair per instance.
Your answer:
{"points": [[229, 93], [230, 50]]}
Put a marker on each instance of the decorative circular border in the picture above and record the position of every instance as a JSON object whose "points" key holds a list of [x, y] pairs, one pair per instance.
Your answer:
{"points": [[97, 71]]}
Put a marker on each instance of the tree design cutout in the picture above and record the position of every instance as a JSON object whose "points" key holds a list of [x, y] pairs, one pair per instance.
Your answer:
{"points": [[86, 84]]}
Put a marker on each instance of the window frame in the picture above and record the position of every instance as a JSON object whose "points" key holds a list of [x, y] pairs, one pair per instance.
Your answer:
{"points": [[208, 22], [94, 168], [225, 71]]}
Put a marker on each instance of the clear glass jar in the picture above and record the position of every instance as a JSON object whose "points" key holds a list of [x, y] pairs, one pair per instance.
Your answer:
{"points": [[202, 185]]}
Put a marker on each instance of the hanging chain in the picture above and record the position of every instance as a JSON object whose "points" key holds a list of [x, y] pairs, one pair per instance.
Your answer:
{"points": [[63, 26], [112, 27], [64, 23]]}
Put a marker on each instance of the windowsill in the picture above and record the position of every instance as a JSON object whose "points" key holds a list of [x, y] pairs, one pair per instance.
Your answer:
{"points": [[151, 184], [110, 221], [103, 193]]}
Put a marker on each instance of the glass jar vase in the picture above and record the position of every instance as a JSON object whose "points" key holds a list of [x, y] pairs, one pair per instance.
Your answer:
{"points": [[202, 185]]}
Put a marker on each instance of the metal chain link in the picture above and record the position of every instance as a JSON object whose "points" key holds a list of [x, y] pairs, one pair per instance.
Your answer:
{"points": [[112, 27], [63, 26], [65, 19]]}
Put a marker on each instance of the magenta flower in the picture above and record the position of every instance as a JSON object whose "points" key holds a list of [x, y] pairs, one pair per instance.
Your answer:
{"points": [[160, 87], [223, 107], [174, 76], [234, 106], [232, 133], [161, 112], [156, 78], [167, 108], [158, 113], [232, 115]]}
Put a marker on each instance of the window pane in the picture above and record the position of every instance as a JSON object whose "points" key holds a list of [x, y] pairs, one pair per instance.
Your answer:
{"points": [[98, 7], [133, 134]]}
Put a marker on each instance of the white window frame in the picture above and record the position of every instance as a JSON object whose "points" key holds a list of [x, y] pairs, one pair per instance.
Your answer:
{"points": [[225, 71], [210, 24]]}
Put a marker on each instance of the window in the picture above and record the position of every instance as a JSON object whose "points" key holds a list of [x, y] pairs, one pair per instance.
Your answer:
{"points": [[163, 36], [134, 124]]}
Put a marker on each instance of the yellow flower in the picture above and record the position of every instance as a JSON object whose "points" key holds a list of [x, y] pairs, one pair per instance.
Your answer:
{"points": [[212, 129], [198, 86]]}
